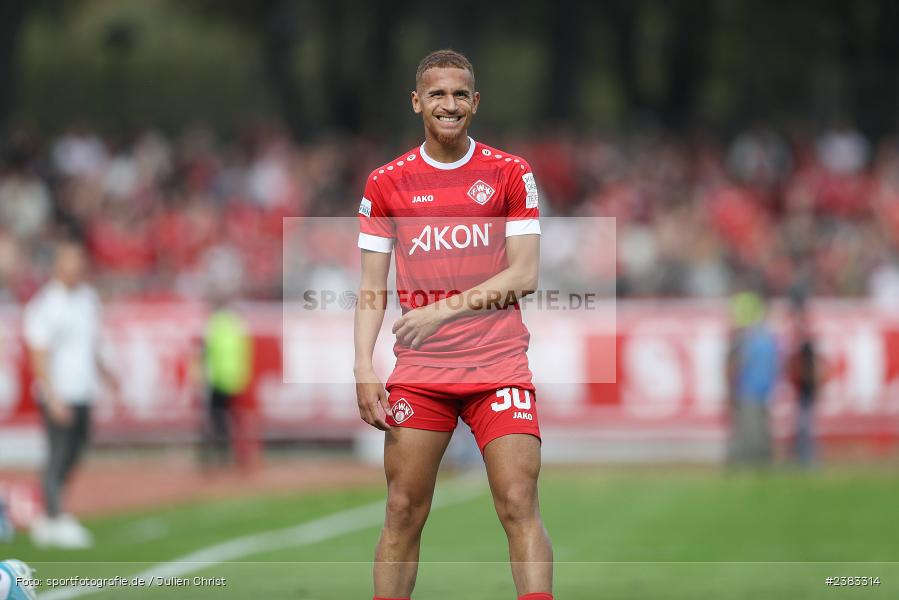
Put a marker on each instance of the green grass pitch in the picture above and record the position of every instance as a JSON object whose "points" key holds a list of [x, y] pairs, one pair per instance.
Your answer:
{"points": [[623, 534]]}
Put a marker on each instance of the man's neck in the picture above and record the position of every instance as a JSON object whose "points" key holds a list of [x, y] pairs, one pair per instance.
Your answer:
{"points": [[447, 153], [67, 285]]}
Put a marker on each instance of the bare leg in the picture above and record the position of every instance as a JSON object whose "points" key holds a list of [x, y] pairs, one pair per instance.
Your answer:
{"points": [[411, 460], [513, 466]]}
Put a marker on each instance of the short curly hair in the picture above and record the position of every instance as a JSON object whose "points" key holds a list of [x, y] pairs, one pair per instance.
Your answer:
{"points": [[443, 58]]}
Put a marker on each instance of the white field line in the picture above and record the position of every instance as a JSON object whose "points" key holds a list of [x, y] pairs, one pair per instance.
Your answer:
{"points": [[319, 530]]}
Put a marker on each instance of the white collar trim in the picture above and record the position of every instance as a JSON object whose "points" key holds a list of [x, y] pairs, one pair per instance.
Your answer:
{"points": [[448, 166]]}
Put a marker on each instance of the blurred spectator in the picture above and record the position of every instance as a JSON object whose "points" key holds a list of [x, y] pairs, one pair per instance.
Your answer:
{"points": [[24, 203], [805, 374], [760, 157], [752, 372], [884, 285], [692, 218], [79, 153], [843, 150]]}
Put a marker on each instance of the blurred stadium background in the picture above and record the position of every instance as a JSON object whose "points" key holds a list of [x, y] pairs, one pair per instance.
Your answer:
{"points": [[738, 145]]}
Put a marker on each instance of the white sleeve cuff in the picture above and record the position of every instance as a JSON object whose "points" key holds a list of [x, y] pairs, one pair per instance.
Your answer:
{"points": [[375, 243], [522, 227]]}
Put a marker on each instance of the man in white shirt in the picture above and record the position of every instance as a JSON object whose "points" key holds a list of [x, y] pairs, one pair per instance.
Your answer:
{"points": [[62, 331]]}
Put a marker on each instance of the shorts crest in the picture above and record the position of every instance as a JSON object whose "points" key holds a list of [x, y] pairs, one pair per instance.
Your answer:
{"points": [[402, 410]]}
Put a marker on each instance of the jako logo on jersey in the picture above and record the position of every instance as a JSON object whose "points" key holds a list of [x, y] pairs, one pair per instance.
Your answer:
{"points": [[460, 237], [402, 410], [480, 192], [428, 198]]}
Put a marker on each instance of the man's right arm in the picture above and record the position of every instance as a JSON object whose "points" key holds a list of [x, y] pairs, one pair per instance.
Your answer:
{"points": [[38, 338], [55, 406], [38, 333], [370, 307]]}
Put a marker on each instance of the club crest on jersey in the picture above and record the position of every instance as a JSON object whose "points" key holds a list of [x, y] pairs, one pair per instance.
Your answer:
{"points": [[480, 192], [402, 410]]}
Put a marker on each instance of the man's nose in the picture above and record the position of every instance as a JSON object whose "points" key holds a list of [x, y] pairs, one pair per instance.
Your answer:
{"points": [[449, 103]]}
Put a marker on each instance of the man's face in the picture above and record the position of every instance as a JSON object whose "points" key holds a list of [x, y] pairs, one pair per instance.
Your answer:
{"points": [[446, 101], [70, 264]]}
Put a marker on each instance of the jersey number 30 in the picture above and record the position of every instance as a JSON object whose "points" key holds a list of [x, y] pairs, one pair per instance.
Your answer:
{"points": [[512, 396]]}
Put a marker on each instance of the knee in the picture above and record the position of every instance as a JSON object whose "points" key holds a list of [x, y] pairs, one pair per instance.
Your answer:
{"points": [[517, 506], [406, 511]]}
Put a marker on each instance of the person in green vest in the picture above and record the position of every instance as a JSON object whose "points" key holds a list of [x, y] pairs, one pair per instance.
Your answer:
{"points": [[752, 370], [227, 364]]}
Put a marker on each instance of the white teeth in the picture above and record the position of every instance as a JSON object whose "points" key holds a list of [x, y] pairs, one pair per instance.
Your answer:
{"points": [[449, 119]]}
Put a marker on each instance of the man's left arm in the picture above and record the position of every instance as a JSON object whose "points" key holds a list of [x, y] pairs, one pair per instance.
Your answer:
{"points": [[514, 282], [108, 376], [106, 373]]}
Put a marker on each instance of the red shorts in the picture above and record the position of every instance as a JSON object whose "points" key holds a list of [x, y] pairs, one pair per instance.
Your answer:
{"points": [[494, 400]]}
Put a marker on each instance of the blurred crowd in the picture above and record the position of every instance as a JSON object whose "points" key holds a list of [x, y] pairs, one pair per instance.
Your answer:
{"points": [[168, 217]]}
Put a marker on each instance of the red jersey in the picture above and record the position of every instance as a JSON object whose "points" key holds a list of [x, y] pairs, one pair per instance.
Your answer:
{"points": [[447, 223]]}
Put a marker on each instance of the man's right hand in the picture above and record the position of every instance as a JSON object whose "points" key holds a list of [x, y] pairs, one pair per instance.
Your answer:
{"points": [[372, 399], [60, 413]]}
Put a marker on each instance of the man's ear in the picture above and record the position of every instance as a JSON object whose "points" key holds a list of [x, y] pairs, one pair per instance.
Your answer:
{"points": [[416, 103], [477, 100]]}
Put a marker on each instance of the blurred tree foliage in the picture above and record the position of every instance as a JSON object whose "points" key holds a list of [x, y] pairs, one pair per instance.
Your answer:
{"points": [[324, 66]]}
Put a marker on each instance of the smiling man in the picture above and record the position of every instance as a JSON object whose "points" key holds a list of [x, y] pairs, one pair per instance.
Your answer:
{"points": [[462, 218]]}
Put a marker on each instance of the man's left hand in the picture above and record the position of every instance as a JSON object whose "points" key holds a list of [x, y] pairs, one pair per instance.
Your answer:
{"points": [[413, 328], [113, 385]]}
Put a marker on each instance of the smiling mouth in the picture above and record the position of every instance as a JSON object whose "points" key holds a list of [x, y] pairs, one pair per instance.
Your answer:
{"points": [[446, 119]]}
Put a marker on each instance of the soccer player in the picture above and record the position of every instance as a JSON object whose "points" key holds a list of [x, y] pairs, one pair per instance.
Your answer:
{"points": [[463, 220]]}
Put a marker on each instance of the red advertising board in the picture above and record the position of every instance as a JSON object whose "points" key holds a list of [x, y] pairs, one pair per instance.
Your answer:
{"points": [[666, 358]]}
